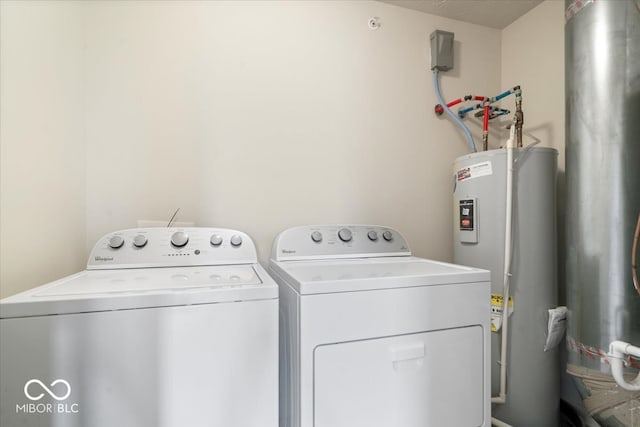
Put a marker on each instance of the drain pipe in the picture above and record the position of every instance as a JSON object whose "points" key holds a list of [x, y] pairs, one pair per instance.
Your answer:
{"points": [[502, 396], [618, 352], [496, 422]]}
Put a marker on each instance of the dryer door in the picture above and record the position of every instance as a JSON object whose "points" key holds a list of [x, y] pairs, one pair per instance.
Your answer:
{"points": [[419, 380]]}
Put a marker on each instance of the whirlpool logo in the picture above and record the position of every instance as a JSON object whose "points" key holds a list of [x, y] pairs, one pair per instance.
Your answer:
{"points": [[59, 390]]}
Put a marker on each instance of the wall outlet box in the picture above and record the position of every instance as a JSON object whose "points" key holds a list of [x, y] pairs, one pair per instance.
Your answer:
{"points": [[441, 50], [146, 223]]}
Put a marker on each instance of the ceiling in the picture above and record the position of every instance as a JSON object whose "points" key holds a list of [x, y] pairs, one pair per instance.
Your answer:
{"points": [[489, 13]]}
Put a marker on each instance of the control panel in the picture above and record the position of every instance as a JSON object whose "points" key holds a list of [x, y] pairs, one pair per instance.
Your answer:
{"points": [[338, 241], [468, 220], [171, 247]]}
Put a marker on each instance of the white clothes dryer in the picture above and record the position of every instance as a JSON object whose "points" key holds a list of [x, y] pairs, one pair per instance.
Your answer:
{"points": [[166, 327], [371, 336]]}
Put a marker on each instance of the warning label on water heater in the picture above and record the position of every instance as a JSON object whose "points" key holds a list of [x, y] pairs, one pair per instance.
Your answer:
{"points": [[474, 171], [497, 306]]}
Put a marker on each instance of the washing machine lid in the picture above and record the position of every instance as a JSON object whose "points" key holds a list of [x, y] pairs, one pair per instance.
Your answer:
{"points": [[126, 289], [348, 275]]}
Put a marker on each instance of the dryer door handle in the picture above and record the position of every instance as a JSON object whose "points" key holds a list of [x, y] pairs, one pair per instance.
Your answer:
{"points": [[407, 352]]}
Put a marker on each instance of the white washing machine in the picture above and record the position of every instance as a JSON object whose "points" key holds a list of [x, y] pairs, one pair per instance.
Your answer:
{"points": [[371, 336], [166, 327]]}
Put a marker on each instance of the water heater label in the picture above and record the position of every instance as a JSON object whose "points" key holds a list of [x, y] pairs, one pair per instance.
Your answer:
{"points": [[466, 214], [497, 305], [474, 171]]}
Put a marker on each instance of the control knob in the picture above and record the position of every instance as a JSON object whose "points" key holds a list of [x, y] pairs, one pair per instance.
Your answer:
{"points": [[216, 240], [236, 240], [345, 235], [387, 235], [372, 235], [140, 241], [179, 239], [116, 242], [316, 236]]}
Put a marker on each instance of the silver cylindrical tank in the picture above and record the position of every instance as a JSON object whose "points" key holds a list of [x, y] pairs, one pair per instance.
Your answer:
{"points": [[533, 382], [602, 84]]}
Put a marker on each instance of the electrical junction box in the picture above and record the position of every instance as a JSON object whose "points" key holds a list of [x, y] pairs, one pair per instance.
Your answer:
{"points": [[441, 50]]}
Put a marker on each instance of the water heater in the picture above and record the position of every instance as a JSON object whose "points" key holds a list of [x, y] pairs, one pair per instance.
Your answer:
{"points": [[533, 395]]}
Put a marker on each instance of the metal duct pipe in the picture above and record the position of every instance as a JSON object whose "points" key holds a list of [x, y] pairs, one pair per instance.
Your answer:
{"points": [[602, 83]]}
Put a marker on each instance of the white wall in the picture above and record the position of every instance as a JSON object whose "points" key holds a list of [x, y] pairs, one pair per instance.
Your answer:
{"points": [[251, 115], [42, 145]]}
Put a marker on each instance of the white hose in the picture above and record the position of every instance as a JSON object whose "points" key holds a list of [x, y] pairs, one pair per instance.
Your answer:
{"points": [[508, 238], [496, 422], [618, 350]]}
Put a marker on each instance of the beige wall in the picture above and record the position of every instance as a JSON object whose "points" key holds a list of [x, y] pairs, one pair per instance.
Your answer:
{"points": [[42, 145], [261, 116], [251, 115], [533, 57]]}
